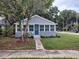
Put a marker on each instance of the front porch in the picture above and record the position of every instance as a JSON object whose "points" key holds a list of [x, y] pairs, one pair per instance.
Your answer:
{"points": [[37, 29]]}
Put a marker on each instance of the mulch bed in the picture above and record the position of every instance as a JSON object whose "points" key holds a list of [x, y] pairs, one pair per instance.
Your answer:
{"points": [[13, 44]]}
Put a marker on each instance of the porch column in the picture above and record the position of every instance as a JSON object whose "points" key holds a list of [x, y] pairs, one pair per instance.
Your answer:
{"points": [[28, 28], [55, 28], [16, 28], [44, 27], [49, 28], [33, 29], [39, 29]]}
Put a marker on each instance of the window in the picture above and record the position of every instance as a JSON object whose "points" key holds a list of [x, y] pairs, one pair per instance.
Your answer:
{"points": [[41, 27], [51, 27], [46, 27], [30, 27]]}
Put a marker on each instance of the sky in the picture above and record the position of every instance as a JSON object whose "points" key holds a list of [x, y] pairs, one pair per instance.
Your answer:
{"points": [[67, 4]]}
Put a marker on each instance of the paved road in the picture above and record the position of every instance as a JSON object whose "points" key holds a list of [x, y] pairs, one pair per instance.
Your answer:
{"points": [[39, 54]]}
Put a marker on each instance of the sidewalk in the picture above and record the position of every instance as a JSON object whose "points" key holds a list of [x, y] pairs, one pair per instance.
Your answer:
{"points": [[39, 45], [39, 54]]}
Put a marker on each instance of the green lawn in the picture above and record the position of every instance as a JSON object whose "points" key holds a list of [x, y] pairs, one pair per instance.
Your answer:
{"points": [[7, 43], [65, 41], [43, 58]]}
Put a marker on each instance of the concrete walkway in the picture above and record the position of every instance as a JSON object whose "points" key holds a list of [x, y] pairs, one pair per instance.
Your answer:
{"points": [[69, 33], [39, 45], [39, 54]]}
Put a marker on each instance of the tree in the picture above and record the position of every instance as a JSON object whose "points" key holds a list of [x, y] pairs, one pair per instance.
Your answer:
{"points": [[20, 9], [67, 18], [53, 11], [51, 14]]}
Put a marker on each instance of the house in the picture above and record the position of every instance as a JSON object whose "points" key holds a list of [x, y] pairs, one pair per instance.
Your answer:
{"points": [[37, 26], [2, 23]]}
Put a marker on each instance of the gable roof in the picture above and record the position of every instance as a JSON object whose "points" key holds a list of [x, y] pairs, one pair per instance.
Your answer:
{"points": [[39, 20]]}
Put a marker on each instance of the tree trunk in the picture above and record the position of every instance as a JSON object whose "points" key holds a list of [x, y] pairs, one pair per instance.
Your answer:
{"points": [[66, 26], [63, 25], [26, 28], [5, 34], [22, 32]]}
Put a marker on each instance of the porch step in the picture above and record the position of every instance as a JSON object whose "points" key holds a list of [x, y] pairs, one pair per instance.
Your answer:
{"points": [[37, 37]]}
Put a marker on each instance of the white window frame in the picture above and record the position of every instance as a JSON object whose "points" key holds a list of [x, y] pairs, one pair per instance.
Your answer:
{"points": [[51, 27], [46, 29], [32, 29], [41, 28]]}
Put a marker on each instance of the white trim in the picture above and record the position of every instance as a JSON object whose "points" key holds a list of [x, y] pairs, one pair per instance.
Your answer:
{"points": [[16, 27], [28, 28], [54, 28], [39, 28], [49, 28], [44, 28], [37, 23]]}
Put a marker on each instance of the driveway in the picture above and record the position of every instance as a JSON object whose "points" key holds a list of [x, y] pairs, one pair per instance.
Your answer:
{"points": [[72, 33]]}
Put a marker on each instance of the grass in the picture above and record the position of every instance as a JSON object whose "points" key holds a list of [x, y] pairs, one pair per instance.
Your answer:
{"points": [[65, 41], [43, 58], [7, 43]]}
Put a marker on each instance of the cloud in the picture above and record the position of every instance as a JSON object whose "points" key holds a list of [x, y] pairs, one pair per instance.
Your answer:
{"points": [[67, 4]]}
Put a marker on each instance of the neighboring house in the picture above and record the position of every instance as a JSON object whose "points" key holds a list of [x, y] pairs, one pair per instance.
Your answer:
{"points": [[2, 23], [38, 26]]}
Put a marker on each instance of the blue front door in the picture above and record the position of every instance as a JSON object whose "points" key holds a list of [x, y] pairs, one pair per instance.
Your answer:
{"points": [[36, 29]]}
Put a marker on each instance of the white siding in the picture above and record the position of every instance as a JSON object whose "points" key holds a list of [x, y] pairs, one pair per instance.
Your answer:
{"points": [[48, 33]]}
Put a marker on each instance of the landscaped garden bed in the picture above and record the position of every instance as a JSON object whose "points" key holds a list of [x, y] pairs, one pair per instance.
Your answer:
{"points": [[65, 41], [7, 43]]}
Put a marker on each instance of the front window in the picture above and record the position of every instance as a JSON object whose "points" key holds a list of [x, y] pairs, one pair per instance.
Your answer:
{"points": [[30, 27], [41, 27], [46, 27], [52, 27]]}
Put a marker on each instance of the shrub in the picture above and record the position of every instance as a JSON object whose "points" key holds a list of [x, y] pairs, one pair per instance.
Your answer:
{"points": [[50, 36], [29, 35], [0, 31]]}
